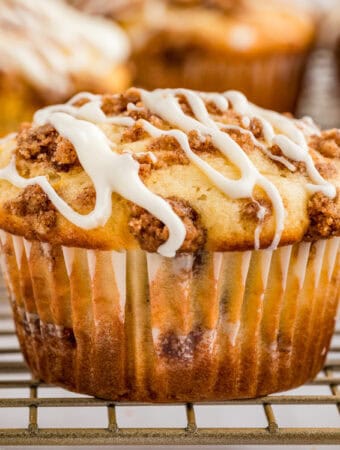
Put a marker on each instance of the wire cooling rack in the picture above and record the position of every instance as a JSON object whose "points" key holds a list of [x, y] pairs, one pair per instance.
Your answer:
{"points": [[33, 413]]}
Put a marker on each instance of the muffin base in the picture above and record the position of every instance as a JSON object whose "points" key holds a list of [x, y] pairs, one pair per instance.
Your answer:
{"points": [[199, 327]]}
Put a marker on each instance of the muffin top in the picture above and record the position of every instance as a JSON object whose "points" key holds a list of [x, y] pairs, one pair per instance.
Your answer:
{"points": [[170, 170], [236, 26], [50, 44], [121, 8], [116, 9]]}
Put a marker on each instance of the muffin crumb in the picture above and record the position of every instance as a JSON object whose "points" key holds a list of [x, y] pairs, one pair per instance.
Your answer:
{"points": [[134, 133], [199, 145], [113, 105], [251, 208], [324, 215], [256, 128], [44, 144], [328, 143], [168, 151], [34, 204], [151, 232]]}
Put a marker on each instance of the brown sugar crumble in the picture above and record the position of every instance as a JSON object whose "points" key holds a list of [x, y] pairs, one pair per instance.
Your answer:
{"points": [[34, 204], [324, 215], [151, 232], [113, 105], [251, 208], [44, 144], [256, 128], [244, 140], [134, 133], [328, 143], [199, 145], [167, 151], [87, 198]]}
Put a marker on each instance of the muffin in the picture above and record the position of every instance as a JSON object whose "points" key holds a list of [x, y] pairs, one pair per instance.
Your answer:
{"points": [[121, 10], [49, 51], [257, 47], [329, 32], [171, 245]]}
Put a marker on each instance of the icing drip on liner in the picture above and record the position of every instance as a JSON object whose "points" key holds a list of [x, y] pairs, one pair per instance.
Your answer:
{"points": [[112, 172]]}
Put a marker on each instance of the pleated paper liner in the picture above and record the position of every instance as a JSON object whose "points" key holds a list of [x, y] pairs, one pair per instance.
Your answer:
{"points": [[141, 327]]}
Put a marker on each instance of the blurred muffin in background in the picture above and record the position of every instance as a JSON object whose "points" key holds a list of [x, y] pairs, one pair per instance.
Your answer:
{"points": [[49, 51], [259, 48], [329, 36], [121, 10]]}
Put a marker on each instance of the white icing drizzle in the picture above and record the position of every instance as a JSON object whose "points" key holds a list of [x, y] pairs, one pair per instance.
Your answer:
{"points": [[290, 139], [113, 172], [109, 172], [50, 41], [165, 104], [280, 159]]}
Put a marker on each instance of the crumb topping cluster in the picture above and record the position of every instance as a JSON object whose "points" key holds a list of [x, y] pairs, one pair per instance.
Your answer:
{"points": [[151, 232]]}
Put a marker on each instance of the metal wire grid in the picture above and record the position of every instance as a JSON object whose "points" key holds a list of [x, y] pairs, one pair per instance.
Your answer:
{"points": [[318, 101]]}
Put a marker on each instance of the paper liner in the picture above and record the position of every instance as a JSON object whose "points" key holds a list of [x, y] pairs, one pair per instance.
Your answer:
{"points": [[272, 81], [141, 327]]}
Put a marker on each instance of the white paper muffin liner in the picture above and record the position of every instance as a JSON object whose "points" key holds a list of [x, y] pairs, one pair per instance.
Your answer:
{"points": [[206, 326]]}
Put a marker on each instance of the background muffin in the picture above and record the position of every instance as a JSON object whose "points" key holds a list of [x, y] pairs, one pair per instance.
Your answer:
{"points": [[49, 51], [257, 47], [121, 10], [187, 249]]}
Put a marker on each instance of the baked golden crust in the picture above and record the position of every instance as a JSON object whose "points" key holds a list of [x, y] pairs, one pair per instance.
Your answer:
{"points": [[227, 224]]}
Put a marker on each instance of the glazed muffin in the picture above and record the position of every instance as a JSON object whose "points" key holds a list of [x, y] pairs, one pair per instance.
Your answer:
{"points": [[257, 47], [49, 51], [171, 245], [329, 32], [121, 10]]}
